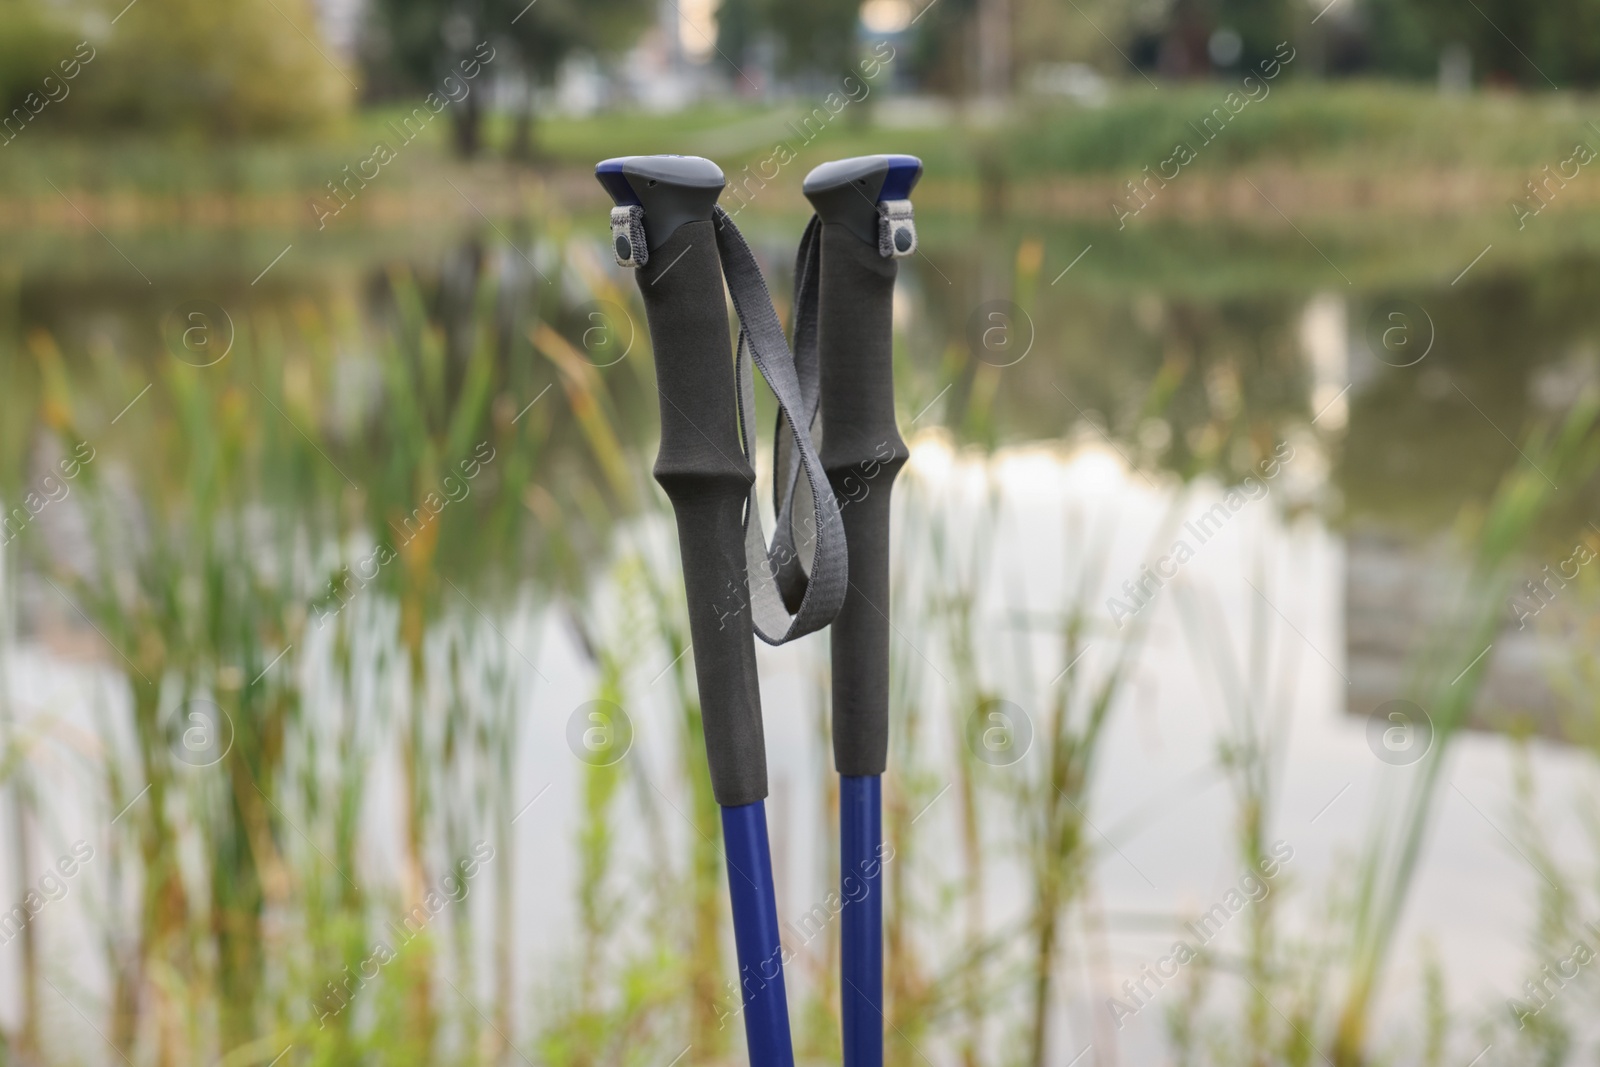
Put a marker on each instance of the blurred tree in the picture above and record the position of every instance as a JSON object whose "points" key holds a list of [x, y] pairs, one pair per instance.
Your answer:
{"points": [[247, 66], [994, 48], [1397, 38], [428, 40], [544, 34], [1089, 32], [817, 37], [1098, 33], [1261, 26], [740, 26], [940, 57], [1553, 42], [1196, 38], [33, 43]]}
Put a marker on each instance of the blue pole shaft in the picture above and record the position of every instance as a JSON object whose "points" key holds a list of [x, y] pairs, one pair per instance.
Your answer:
{"points": [[755, 935], [861, 886]]}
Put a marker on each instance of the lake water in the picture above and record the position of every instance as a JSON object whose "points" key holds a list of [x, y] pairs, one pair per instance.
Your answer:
{"points": [[1075, 398]]}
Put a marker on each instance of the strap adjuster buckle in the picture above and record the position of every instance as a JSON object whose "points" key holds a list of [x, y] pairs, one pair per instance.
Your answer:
{"points": [[897, 229], [627, 236]]}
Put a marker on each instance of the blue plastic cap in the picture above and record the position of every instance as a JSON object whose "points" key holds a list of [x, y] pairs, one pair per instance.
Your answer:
{"points": [[904, 171], [609, 173], [672, 190]]}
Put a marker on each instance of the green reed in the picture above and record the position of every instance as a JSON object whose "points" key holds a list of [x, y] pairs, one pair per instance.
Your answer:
{"points": [[1254, 684], [236, 559], [1541, 1021], [1308, 997], [1567, 453]]}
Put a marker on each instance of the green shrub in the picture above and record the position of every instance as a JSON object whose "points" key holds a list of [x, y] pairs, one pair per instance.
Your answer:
{"points": [[186, 66], [32, 43]]}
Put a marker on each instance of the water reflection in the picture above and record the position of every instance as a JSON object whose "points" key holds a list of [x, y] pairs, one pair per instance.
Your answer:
{"points": [[1420, 392]]}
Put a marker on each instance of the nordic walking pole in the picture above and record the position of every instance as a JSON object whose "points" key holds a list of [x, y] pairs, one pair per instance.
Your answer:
{"points": [[863, 226], [666, 225]]}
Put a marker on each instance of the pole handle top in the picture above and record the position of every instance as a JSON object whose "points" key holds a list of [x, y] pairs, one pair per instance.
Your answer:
{"points": [[850, 192], [670, 190], [858, 193]]}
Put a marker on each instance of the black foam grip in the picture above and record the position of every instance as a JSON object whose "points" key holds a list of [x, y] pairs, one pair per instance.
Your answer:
{"points": [[704, 473], [862, 452]]}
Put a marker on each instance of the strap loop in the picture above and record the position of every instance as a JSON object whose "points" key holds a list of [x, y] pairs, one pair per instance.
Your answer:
{"points": [[785, 462], [786, 602]]}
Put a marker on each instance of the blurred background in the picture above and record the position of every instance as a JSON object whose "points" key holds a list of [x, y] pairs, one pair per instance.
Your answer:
{"points": [[1245, 584]]}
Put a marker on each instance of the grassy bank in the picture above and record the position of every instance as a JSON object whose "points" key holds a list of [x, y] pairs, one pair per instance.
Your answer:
{"points": [[1381, 143], [1372, 128]]}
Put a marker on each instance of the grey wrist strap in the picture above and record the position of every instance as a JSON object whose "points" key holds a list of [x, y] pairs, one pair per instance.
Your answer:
{"points": [[786, 602], [792, 578]]}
